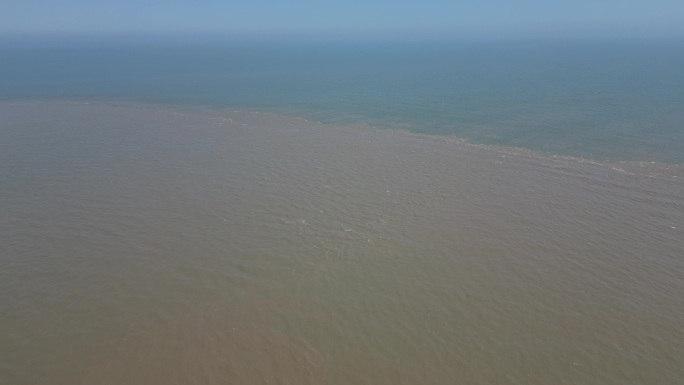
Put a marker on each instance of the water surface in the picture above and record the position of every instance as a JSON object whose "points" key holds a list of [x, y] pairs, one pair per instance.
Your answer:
{"points": [[599, 100], [147, 245]]}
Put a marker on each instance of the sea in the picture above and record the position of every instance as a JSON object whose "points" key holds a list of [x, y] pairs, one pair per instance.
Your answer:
{"points": [[341, 212]]}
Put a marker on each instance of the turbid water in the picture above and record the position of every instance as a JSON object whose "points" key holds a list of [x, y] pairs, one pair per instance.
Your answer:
{"points": [[147, 245]]}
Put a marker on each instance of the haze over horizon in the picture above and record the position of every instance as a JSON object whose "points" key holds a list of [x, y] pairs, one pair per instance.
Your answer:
{"points": [[350, 19]]}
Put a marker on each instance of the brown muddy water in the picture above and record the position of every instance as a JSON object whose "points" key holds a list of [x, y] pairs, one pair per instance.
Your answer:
{"points": [[146, 245]]}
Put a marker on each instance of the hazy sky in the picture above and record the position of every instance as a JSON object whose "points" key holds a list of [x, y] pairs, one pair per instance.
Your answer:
{"points": [[356, 18]]}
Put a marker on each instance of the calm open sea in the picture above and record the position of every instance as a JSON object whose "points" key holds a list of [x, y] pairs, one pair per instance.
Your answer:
{"points": [[480, 213], [599, 100]]}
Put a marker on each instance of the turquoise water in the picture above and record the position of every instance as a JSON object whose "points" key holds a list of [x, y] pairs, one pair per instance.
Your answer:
{"points": [[599, 100]]}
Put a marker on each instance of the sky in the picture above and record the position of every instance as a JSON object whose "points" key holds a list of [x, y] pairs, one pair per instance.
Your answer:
{"points": [[339, 18]]}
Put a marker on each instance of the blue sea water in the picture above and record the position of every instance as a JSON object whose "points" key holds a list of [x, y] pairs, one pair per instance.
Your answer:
{"points": [[602, 100]]}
